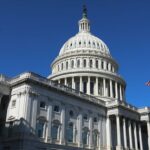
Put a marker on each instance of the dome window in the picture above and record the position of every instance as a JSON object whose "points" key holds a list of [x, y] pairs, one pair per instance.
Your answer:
{"points": [[84, 43], [80, 43], [84, 63], [93, 44], [71, 45], [97, 64], [107, 66], [89, 43], [78, 63], [58, 67], [62, 66], [91, 63], [67, 65], [102, 65]]}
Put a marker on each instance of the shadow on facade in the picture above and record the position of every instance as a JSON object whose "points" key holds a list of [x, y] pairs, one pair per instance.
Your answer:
{"points": [[19, 135]]}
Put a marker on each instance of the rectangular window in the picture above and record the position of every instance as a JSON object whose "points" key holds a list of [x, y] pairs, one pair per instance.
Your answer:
{"points": [[42, 104]]}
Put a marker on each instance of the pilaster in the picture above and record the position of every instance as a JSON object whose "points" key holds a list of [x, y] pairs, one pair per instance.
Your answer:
{"points": [[62, 135]]}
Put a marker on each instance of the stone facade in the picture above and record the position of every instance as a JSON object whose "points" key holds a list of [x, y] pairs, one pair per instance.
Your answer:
{"points": [[80, 106]]}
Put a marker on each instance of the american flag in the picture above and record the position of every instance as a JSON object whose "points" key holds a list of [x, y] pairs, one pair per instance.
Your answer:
{"points": [[147, 83]]}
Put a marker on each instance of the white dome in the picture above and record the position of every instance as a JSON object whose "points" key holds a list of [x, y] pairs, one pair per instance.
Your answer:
{"points": [[84, 41]]}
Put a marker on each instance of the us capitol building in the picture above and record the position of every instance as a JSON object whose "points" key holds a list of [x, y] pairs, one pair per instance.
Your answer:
{"points": [[80, 106]]}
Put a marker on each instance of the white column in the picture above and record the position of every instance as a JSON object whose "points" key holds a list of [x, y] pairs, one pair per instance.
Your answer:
{"points": [[124, 133], [88, 85], [120, 92], [110, 86], [135, 136], [96, 86], [91, 132], [130, 135], [140, 137], [81, 84], [80, 118], [62, 135], [118, 131], [116, 90], [73, 83], [108, 132], [148, 132], [104, 87], [49, 118]]}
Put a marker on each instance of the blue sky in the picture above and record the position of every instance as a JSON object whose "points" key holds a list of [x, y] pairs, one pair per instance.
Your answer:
{"points": [[33, 31]]}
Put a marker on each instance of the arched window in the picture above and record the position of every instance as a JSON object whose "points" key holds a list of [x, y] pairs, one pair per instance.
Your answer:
{"points": [[67, 65], [72, 63], [107, 66], [102, 65], [95, 138], [97, 64], [84, 63], [62, 66], [94, 44], [79, 43], [91, 63], [98, 45], [78, 63], [58, 67], [40, 125], [55, 130], [89, 43], [85, 136], [70, 132]]}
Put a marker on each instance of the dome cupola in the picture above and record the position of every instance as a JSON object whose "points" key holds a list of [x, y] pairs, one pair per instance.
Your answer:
{"points": [[84, 23]]}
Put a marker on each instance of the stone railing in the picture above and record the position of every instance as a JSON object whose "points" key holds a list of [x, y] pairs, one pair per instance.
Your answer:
{"points": [[144, 110], [16, 128], [121, 103], [38, 78]]}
